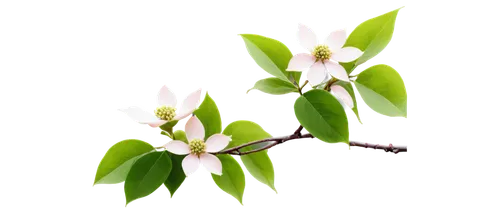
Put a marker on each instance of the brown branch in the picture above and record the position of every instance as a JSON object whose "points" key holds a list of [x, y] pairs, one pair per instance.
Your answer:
{"points": [[237, 150], [390, 148], [295, 136]]}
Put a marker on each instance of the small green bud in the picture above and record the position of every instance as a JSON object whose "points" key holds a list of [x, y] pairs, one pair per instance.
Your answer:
{"points": [[197, 146], [165, 112]]}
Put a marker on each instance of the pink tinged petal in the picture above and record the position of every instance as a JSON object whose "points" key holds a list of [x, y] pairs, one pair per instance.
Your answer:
{"points": [[343, 95], [194, 129], [337, 71], [182, 115], [177, 147], [189, 105], [217, 142], [316, 74], [154, 124], [190, 164], [347, 54], [336, 40], [211, 163], [166, 97], [301, 62], [143, 117], [307, 38]]}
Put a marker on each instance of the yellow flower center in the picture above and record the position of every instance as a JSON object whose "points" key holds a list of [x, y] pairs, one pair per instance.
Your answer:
{"points": [[165, 112], [322, 52], [197, 146]]}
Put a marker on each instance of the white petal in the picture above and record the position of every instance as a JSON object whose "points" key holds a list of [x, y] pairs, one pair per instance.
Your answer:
{"points": [[182, 115], [337, 71], [177, 147], [343, 95], [336, 40], [316, 73], [307, 38], [166, 97], [190, 164], [194, 129], [217, 142], [140, 116], [157, 123], [211, 163], [347, 54], [301, 62], [189, 105]]}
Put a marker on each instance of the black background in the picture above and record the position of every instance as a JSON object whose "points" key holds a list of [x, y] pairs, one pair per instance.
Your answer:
{"points": [[137, 47]]}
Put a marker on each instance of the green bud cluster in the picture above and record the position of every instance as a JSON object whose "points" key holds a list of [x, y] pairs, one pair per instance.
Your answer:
{"points": [[165, 112], [197, 146], [322, 52]]}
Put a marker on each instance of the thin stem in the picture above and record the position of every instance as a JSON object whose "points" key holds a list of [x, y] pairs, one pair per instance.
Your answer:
{"points": [[329, 83], [304, 85]]}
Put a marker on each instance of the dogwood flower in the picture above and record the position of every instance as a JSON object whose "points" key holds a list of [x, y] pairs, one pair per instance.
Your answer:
{"points": [[323, 58], [197, 150], [166, 111], [341, 94]]}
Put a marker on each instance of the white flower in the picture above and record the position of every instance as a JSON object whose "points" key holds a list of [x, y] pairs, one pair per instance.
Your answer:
{"points": [[166, 110], [198, 150], [323, 57], [341, 94]]}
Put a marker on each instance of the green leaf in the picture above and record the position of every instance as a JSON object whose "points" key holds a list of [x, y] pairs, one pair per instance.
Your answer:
{"points": [[348, 87], [274, 86], [116, 164], [146, 175], [383, 90], [371, 37], [258, 164], [177, 177], [271, 55], [209, 115], [297, 76], [323, 116], [232, 180]]}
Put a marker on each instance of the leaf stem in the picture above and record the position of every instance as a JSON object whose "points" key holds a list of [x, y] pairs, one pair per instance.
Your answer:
{"points": [[297, 135], [301, 87]]}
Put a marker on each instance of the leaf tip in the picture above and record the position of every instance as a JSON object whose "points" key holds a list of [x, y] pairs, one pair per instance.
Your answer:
{"points": [[401, 7]]}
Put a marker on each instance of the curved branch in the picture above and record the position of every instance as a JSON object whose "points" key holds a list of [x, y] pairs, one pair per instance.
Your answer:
{"points": [[237, 150]]}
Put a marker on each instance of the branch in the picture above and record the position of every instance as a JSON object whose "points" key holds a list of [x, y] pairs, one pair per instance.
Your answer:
{"points": [[237, 150], [276, 140], [390, 148]]}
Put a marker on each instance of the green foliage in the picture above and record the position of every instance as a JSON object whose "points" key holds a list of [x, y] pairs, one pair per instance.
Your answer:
{"points": [[258, 164], [383, 90], [323, 116], [271, 55], [146, 175], [371, 37], [232, 180], [177, 177], [209, 115], [117, 162], [274, 86]]}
